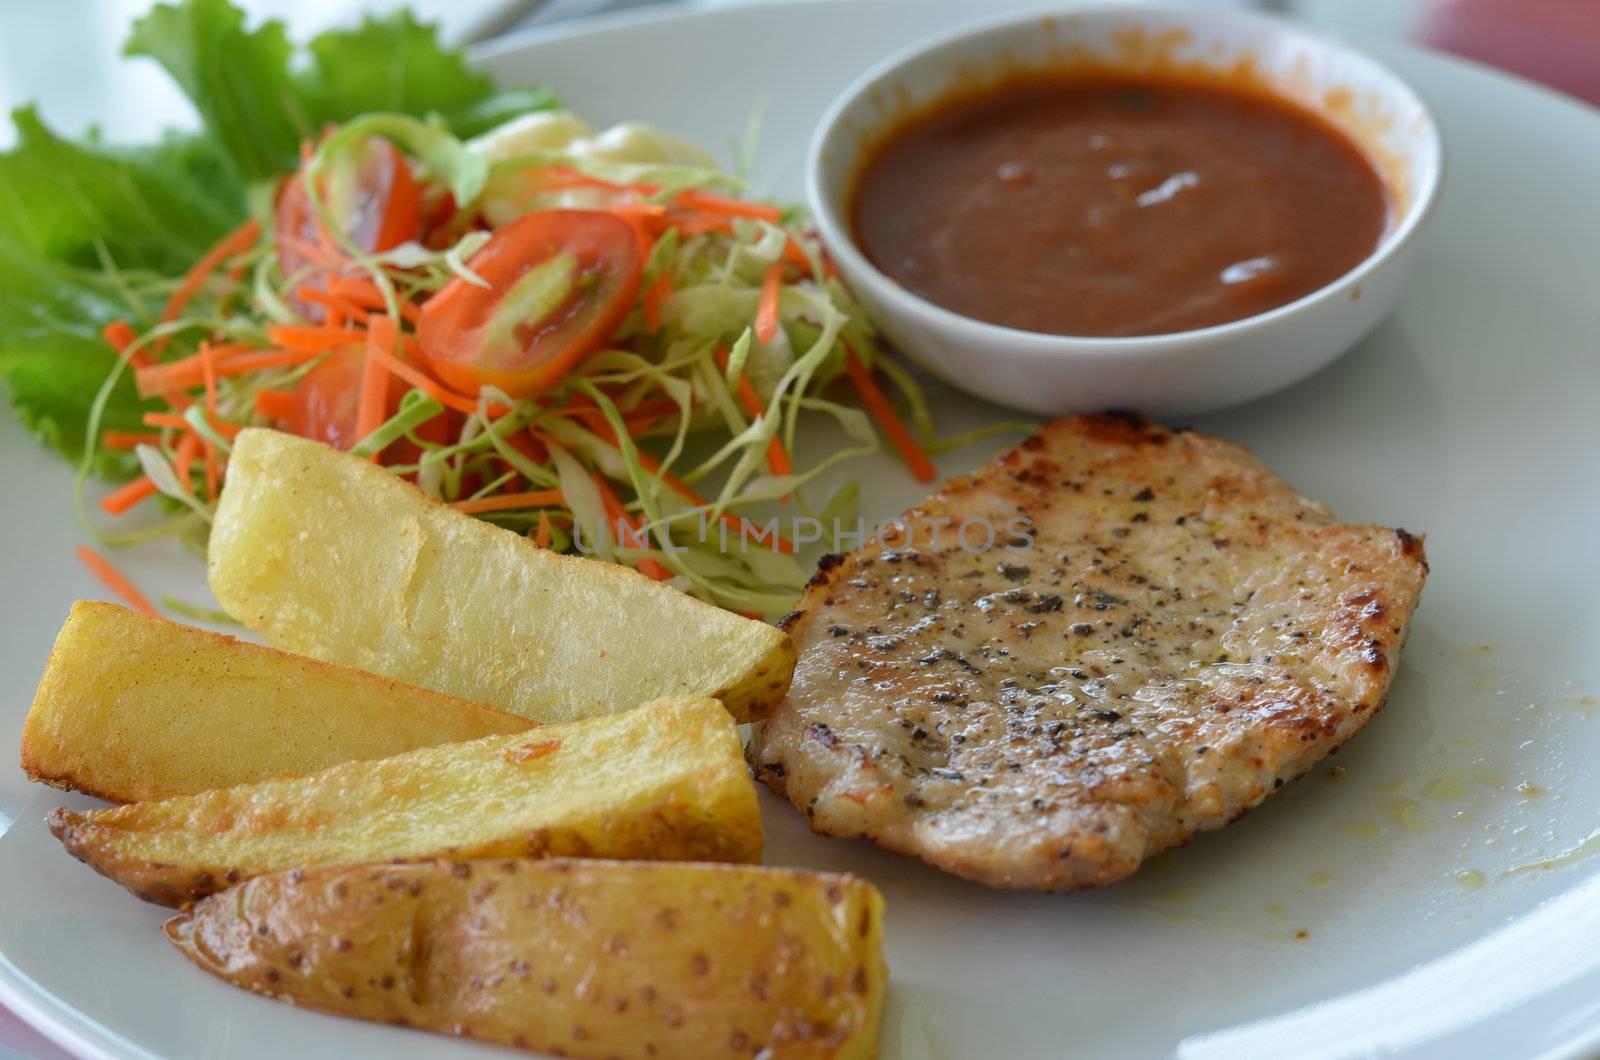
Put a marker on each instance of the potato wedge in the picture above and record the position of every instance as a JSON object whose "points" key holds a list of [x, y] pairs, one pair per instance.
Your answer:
{"points": [[333, 557], [666, 781], [570, 958], [133, 708]]}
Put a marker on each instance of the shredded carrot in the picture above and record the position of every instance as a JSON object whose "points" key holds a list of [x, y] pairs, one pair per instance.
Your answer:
{"points": [[747, 530], [530, 447], [652, 465], [208, 376], [630, 209], [312, 338], [208, 372], [795, 256], [695, 199], [694, 224], [565, 178], [213, 467], [672, 482], [128, 439], [682, 489], [119, 334], [320, 252], [618, 514], [165, 379], [638, 425], [122, 498], [275, 404], [561, 178], [828, 269], [255, 360], [337, 310], [651, 569], [238, 241], [899, 435], [614, 509], [114, 580], [356, 291], [654, 295], [183, 458], [509, 501], [640, 419], [173, 420], [152, 379], [373, 405], [777, 458], [541, 536], [448, 398], [767, 307], [366, 295]]}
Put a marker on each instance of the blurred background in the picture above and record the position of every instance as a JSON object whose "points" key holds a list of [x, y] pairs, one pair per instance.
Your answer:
{"points": [[64, 54]]}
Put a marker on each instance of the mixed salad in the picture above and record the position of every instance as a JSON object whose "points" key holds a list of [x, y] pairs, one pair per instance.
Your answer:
{"points": [[590, 337]]}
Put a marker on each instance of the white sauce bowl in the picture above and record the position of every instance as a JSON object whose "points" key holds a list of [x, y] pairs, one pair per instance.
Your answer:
{"points": [[1184, 372]]}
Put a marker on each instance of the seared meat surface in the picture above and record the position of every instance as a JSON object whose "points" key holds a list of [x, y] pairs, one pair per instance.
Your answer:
{"points": [[1162, 633]]}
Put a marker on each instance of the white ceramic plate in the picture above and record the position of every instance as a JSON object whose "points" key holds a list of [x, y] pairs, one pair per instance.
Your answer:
{"points": [[1399, 907]]}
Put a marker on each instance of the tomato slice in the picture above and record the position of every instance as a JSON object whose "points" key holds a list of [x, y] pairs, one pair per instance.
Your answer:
{"points": [[560, 282], [327, 407], [327, 399], [373, 196]]}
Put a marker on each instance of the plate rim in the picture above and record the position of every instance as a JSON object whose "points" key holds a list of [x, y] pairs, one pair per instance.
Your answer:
{"points": [[75, 1031], [64, 1025]]}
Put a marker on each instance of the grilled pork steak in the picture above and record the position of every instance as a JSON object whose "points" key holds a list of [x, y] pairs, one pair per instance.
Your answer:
{"points": [[1162, 633]]}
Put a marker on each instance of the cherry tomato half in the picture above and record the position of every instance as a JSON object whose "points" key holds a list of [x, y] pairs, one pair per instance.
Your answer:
{"points": [[375, 196], [560, 282], [326, 401], [327, 405], [371, 193]]}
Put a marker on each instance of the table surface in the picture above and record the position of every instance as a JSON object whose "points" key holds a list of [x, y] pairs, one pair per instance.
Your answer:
{"points": [[133, 101]]}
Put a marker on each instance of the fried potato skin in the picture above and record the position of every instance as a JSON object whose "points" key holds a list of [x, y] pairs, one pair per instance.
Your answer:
{"points": [[571, 958], [333, 557], [664, 782], [132, 708]]}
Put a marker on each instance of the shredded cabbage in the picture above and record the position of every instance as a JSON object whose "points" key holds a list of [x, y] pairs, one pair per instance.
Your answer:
{"points": [[662, 444]]}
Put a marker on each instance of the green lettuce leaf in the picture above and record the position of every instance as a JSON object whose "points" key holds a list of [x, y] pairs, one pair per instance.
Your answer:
{"points": [[260, 97], [415, 76], [237, 79], [53, 359], [155, 208], [83, 228], [88, 230]]}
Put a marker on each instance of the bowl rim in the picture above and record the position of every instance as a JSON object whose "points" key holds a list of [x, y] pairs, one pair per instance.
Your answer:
{"points": [[841, 243]]}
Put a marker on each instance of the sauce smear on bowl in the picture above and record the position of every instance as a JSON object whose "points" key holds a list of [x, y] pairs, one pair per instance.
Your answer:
{"points": [[1101, 207]]}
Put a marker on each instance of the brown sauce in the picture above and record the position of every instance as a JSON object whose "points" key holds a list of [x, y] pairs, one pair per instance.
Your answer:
{"points": [[1116, 207]]}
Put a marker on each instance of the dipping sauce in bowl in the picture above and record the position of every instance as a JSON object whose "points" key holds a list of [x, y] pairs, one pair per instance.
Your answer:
{"points": [[1171, 209], [1112, 206]]}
